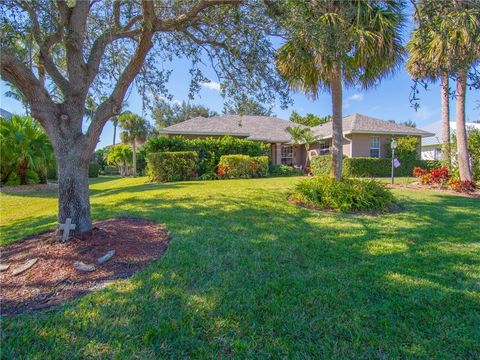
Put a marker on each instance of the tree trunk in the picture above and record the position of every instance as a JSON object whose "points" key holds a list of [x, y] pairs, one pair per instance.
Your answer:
{"points": [[134, 150], [22, 171], [446, 149], [462, 148], [337, 128], [115, 122], [73, 193]]}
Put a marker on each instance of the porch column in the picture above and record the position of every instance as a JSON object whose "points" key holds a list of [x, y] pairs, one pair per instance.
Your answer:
{"points": [[278, 153]]}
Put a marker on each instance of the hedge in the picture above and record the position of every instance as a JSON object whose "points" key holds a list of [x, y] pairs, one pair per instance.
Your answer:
{"points": [[209, 150], [93, 170], [369, 167], [172, 166], [242, 166], [284, 170]]}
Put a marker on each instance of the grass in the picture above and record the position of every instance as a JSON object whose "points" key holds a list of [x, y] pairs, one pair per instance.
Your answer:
{"points": [[249, 275]]}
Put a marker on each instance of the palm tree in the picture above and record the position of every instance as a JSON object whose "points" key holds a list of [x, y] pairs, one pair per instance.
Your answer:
{"points": [[335, 44], [303, 136], [446, 44], [24, 146], [135, 130], [115, 124], [429, 60]]}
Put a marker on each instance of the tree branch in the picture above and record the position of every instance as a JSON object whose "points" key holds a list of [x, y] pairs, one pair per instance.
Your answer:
{"points": [[16, 73]]}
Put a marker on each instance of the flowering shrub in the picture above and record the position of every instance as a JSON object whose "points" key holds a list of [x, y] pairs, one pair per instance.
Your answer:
{"points": [[442, 177], [439, 176], [418, 171], [242, 166], [462, 186]]}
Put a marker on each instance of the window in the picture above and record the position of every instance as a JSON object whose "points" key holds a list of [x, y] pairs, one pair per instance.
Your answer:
{"points": [[287, 155], [324, 147], [375, 147]]}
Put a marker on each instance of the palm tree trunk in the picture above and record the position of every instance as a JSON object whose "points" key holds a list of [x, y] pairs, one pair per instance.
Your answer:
{"points": [[134, 148], [337, 129], [462, 148], [446, 149]]}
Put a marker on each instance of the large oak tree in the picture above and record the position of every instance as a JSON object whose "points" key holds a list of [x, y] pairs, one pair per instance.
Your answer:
{"points": [[100, 48]]}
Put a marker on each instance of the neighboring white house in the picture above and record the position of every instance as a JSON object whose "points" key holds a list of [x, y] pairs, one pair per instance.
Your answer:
{"points": [[432, 146]]}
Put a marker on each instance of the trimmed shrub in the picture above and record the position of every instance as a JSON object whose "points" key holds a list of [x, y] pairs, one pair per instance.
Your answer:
{"points": [[369, 167], [346, 195], [321, 165], [172, 166], [259, 166], [209, 150], [110, 170], [93, 170], [235, 167], [284, 170]]}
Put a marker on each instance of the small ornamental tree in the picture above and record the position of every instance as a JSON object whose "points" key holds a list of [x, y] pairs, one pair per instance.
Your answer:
{"points": [[97, 49]]}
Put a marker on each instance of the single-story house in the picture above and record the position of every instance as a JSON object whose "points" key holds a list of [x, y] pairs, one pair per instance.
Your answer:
{"points": [[364, 136], [432, 146]]}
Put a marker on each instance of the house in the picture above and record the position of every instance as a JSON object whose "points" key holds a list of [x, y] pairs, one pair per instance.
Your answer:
{"points": [[364, 136], [5, 114], [432, 146]]}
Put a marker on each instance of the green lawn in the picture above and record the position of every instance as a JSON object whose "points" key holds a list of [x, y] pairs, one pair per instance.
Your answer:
{"points": [[248, 275]]}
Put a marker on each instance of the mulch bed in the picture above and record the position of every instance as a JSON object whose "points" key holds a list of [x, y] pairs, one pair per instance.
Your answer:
{"points": [[418, 186], [53, 279]]}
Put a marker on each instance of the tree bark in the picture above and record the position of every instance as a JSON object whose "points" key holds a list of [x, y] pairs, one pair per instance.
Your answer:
{"points": [[134, 150], [462, 148], [73, 192], [446, 148], [337, 128]]}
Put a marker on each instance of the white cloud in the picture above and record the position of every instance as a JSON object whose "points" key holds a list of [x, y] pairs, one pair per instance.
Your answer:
{"points": [[355, 97], [212, 85]]}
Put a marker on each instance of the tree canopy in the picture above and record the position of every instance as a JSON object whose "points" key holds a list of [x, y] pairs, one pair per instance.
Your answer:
{"points": [[243, 105], [309, 119], [165, 113]]}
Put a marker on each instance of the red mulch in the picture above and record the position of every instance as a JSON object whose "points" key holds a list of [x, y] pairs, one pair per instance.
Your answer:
{"points": [[53, 278], [418, 186]]}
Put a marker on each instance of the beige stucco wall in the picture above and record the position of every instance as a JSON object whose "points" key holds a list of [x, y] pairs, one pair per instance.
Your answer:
{"points": [[361, 144]]}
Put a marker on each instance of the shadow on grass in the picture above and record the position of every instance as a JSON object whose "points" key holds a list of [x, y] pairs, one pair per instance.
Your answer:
{"points": [[253, 276]]}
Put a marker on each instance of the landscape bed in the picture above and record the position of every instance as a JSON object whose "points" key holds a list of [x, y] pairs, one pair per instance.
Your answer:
{"points": [[53, 279], [249, 275]]}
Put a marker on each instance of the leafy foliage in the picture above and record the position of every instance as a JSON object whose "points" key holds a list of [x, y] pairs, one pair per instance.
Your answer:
{"points": [[121, 156], [244, 105], [25, 149], [368, 167], [346, 195], [165, 113], [473, 143], [172, 166], [242, 166], [209, 150], [309, 119], [284, 170], [408, 148]]}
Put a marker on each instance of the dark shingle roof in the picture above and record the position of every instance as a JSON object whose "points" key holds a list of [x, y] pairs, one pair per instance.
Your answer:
{"points": [[362, 124], [262, 128]]}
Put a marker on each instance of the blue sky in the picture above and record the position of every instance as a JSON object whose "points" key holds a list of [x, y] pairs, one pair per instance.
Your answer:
{"points": [[389, 100]]}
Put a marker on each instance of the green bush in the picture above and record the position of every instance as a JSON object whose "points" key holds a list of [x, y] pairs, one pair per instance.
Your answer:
{"points": [[110, 170], [369, 167], [321, 165], [259, 166], [235, 167], [52, 173], [209, 150], [93, 170], [346, 195], [12, 180], [284, 170], [172, 166]]}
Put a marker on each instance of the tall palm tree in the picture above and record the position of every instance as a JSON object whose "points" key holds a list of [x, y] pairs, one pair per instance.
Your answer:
{"points": [[429, 59], [135, 129], [446, 42], [332, 44]]}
